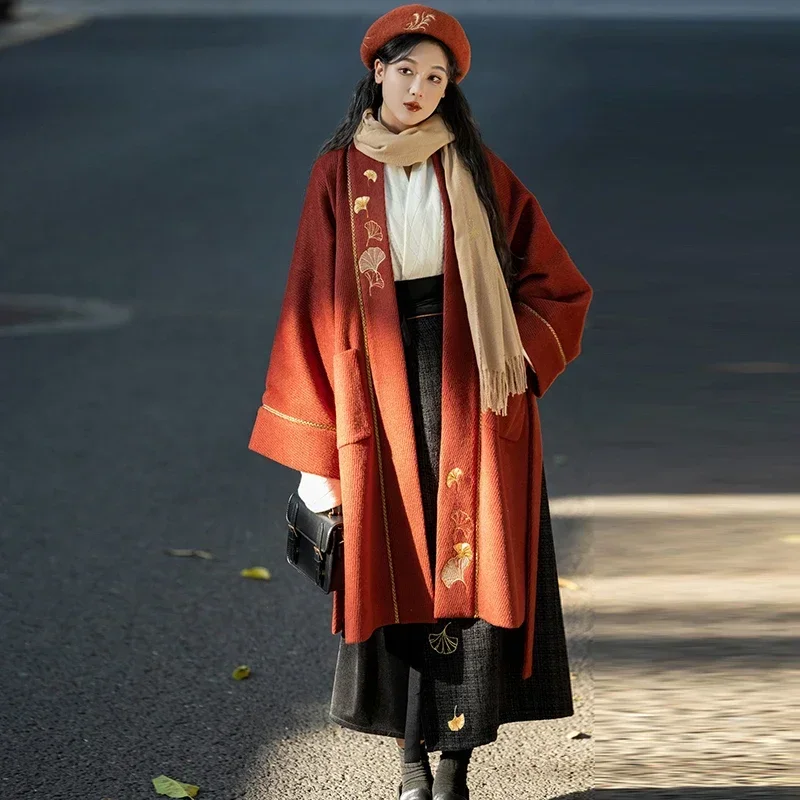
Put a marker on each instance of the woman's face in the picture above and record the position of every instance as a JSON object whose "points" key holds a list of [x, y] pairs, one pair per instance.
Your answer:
{"points": [[420, 77]]}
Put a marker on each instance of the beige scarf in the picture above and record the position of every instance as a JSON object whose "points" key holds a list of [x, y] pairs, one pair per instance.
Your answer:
{"points": [[495, 336]]}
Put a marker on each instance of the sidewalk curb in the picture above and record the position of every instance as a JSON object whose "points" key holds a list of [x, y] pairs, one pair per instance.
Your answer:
{"points": [[27, 26]]}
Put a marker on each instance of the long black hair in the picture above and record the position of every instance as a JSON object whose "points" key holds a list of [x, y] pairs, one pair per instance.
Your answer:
{"points": [[455, 111]]}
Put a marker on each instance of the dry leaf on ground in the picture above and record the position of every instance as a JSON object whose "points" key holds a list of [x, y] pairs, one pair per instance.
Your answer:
{"points": [[172, 551], [169, 787], [566, 583], [258, 573]]}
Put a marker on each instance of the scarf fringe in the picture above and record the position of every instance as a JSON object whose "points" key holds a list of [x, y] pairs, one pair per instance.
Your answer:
{"points": [[497, 385]]}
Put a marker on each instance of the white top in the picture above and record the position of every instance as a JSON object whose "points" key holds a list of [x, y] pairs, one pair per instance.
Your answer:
{"points": [[415, 219]]}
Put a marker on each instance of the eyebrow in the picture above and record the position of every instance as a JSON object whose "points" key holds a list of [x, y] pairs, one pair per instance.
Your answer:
{"points": [[435, 66]]}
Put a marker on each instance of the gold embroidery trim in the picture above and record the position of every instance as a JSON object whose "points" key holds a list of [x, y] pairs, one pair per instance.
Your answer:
{"points": [[454, 570], [457, 723], [420, 21], [454, 477], [320, 425], [369, 264], [442, 643], [371, 386], [550, 327]]}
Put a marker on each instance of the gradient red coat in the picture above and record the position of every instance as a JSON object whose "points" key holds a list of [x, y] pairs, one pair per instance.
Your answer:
{"points": [[337, 404]]}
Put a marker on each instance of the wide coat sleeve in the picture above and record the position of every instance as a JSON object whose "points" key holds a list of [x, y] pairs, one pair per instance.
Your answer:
{"points": [[296, 423], [550, 296]]}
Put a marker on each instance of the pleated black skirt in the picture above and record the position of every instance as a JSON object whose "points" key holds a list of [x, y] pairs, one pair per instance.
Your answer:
{"points": [[480, 678]]}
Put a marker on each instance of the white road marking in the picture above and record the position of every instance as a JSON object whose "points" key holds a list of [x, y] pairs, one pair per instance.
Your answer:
{"points": [[676, 505], [85, 314]]}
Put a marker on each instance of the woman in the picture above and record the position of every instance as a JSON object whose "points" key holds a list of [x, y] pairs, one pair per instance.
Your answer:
{"points": [[428, 305]]}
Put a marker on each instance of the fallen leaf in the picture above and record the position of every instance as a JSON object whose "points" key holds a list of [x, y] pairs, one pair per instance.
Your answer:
{"points": [[457, 723], [196, 553], [791, 539], [259, 573], [566, 583], [578, 735], [172, 788], [241, 672]]}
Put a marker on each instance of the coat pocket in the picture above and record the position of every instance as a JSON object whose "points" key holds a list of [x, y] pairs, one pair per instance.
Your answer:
{"points": [[350, 393], [510, 426]]}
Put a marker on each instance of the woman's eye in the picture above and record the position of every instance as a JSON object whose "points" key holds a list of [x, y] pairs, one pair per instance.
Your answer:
{"points": [[406, 69]]}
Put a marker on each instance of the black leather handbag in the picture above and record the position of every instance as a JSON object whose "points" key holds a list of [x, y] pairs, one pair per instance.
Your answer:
{"points": [[315, 546]]}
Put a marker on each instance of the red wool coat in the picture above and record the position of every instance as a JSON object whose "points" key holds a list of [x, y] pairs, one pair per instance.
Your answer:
{"points": [[337, 404]]}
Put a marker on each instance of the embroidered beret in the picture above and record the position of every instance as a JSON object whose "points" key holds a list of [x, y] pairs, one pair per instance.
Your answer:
{"points": [[417, 18]]}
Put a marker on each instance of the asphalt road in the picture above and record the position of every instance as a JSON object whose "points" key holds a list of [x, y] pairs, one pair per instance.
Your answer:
{"points": [[159, 165]]}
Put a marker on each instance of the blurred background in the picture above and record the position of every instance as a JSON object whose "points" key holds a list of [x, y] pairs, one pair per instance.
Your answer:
{"points": [[153, 160]]}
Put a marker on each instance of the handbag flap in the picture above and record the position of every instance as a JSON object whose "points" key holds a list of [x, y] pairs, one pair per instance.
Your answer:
{"points": [[320, 529]]}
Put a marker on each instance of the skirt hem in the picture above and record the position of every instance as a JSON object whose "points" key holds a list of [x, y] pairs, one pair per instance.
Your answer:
{"points": [[478, 743], [361, 729]]}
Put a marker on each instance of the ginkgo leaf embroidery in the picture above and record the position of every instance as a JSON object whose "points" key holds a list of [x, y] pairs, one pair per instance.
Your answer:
{"points": [[169, 787], [371, 175], [463, 550], [454, 477], [374, 230], [371, 259], [375, 279], [454, 569], [361, 204], [461, 518], [442, 643], [457, 723]]}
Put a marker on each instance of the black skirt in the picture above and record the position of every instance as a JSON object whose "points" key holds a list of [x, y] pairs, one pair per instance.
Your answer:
{"points": [[480, 678]]}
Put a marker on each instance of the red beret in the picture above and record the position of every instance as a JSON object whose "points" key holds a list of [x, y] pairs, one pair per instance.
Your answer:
{"points": [[416, 18]]}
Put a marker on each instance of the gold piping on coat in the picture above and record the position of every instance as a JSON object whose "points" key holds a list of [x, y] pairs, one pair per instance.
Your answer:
{"points": [[320, 425], [372, 400], [550, 328]]}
